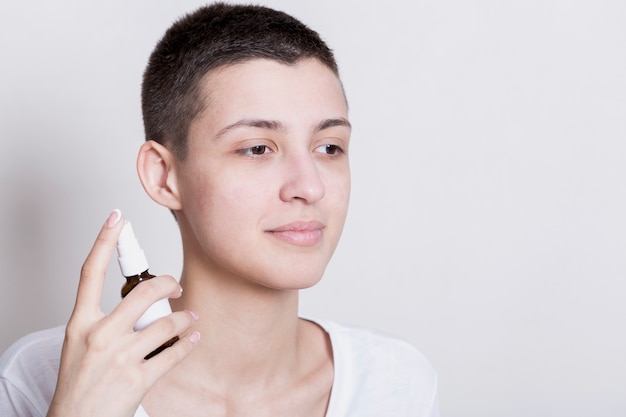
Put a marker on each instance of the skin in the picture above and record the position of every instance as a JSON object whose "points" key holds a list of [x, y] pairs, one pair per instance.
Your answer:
{"points": [[102, 371], [261, 199]]}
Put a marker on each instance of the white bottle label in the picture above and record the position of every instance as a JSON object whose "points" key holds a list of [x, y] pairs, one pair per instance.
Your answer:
{"points": [[157, 310]]}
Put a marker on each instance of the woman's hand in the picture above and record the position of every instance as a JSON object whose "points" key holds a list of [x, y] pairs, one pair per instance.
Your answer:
{"points": [[103, 371]]}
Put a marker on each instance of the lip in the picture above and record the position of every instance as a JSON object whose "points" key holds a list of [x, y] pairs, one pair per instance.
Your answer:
{"points": [[300, 233]]}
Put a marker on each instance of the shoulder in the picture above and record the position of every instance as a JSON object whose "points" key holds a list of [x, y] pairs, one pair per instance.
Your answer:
{"points": [[32, 349], [369, 345], [28, 372], [381, 371]]}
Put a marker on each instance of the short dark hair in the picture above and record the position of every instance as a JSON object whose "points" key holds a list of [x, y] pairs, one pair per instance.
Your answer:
{"points": [[211, 37]]}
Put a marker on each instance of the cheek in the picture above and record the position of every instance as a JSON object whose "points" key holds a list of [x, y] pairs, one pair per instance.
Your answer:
{"points": [[219, 203], [338, 185], [336, 204], [195, 192], [218, 219]]}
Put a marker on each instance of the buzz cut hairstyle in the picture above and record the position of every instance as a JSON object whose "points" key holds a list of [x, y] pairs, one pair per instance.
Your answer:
{"points": [[212, 37]]}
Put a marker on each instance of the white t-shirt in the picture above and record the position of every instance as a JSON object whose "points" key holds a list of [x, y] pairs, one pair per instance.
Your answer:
{"points": [[375, 375]]}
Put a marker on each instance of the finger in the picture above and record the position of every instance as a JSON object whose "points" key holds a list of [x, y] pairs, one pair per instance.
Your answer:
{"points": [[163, 330], [128, 311], [94, 269], [162, 363]]}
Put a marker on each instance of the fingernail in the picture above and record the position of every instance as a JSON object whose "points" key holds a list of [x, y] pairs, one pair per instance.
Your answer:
{"points": [[194, 337], [114, 217], [193, 314]]}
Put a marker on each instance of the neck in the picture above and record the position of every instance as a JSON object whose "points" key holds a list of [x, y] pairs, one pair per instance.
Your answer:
{"points": [[250, 334]]}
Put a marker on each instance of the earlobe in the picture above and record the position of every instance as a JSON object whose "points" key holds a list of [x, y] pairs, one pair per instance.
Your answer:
{"points": [[156, 167]]}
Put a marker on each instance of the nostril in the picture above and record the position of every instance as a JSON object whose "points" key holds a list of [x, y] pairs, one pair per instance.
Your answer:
{"points": [[303, 183]]}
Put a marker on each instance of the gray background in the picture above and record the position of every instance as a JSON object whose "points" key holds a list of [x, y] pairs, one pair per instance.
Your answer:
{"points": [[487, 218]]}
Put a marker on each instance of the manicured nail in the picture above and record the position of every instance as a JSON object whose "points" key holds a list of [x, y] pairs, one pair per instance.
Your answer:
{"points": [[114, 217], [193, 314], [194, 337]]}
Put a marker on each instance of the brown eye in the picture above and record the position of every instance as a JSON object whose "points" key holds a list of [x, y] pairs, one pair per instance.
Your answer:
{"points": [[257, 150], [329, 149]]}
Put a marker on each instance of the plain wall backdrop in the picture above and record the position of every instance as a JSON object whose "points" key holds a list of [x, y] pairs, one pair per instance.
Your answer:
{"points": [[487, 221]]}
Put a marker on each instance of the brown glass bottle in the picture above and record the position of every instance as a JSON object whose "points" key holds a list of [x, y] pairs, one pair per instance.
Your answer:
{"points": [[131, 282]]}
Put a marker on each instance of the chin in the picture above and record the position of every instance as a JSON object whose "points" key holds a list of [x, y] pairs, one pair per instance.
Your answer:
{"points": [[295, 279]]}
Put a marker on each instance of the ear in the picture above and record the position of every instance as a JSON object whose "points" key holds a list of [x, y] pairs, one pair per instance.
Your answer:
{"points": [[157, 169]]}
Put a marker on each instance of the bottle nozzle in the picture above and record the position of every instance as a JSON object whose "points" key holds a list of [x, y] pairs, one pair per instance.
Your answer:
{"points": [[130, 256]]}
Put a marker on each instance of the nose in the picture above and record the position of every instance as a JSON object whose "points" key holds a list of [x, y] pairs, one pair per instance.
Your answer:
{"points": [[302, 181]]}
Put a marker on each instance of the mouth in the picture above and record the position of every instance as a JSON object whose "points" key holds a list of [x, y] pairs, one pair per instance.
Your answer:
{"points": [[305, 233]]}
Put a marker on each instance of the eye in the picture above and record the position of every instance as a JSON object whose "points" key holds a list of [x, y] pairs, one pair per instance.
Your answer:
{"points": [[256, 150], [329, 149]]}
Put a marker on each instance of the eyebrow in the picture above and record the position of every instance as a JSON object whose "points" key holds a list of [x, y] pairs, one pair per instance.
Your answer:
{"points": [[328, 123], [280, 127]]}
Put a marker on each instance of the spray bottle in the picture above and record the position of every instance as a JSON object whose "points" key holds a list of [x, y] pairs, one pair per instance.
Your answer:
{"points": [[134, 266]]}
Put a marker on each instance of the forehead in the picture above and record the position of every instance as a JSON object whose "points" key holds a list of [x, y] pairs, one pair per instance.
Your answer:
{"points": [[305, 91]]}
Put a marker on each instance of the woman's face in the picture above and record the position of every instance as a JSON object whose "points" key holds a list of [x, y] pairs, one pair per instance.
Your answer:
{"points": [[266, 181]]}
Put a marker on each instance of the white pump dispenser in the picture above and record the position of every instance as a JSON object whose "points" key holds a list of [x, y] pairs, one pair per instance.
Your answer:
{"points": [[130, 256], [134, 267]]}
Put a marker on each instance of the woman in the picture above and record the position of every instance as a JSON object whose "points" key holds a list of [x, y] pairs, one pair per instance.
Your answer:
{"points": [[247, 140]]}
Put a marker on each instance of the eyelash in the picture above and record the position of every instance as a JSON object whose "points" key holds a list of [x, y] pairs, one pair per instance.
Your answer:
{"points": [[260, 150], [253, 150], [331, 149]]}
